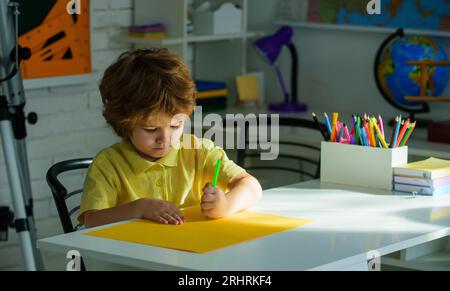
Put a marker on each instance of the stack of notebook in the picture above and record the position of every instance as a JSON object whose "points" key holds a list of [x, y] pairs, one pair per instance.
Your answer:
{"points": [[211, 95], [428, 177], [155, 30]]}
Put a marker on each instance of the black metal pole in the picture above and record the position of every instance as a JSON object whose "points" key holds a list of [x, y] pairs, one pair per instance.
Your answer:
{"points": [[294, 75]]}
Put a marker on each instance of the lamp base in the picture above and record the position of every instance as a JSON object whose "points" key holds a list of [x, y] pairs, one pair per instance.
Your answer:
{"points": [[288, 107]]}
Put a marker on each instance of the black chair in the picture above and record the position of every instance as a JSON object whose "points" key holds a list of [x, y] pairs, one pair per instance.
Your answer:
{"points": [[307, 153], [60, 193]]}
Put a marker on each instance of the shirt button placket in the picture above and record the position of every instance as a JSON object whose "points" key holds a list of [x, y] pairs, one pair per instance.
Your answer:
{"points": [[158, 180]]}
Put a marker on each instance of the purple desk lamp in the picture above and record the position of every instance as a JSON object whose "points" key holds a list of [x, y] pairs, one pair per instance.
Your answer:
{"points": [[270, 48]]}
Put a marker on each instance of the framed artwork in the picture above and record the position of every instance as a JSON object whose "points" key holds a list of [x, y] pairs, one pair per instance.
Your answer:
{"points": [[58, 33]]}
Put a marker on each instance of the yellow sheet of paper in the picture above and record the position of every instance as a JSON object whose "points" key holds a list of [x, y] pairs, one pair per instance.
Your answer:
{"points": [[200, 234]]}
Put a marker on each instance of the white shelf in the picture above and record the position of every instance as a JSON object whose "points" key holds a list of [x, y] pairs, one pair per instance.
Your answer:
{"points": [[342, 27], [146, 41], [219, 37], [188, 39]]}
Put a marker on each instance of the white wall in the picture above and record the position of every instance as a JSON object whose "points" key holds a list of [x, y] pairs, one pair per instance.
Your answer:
{"points": [[70, 126]]}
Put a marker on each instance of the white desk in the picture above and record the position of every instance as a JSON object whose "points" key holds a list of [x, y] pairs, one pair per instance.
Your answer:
{"points": [[347, 225]]}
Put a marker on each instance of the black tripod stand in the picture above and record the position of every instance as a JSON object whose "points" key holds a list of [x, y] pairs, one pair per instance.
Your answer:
{"points": [[13, 134]]}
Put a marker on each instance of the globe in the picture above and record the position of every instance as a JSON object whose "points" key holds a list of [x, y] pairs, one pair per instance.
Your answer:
{"points": [[399, 79]]}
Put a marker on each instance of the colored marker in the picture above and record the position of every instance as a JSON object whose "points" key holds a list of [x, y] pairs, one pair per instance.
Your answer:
{"points": [[327, 123], [347, 134], [367, 132], [333, 126], [379, 134], [408, 134], [405, 126], [397, 131], [393, 131], [216, 174], [359, 138], [324, 134], [338, 126], [380, 125], [373, 134], [339, 136], [364, 137]]}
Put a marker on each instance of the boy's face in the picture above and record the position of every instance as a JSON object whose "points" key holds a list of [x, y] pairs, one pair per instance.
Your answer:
{"points": [[154, 137]]}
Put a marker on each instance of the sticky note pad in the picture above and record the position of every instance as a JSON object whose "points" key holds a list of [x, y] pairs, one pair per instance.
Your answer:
{"points": [[201, 234]]}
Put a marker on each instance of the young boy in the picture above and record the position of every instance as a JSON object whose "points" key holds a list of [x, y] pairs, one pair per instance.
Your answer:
{"points": [[147, 95]]}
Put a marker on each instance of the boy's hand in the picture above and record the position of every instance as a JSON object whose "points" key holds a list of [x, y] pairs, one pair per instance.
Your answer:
{"points": [[214, 202], [160, 211]]}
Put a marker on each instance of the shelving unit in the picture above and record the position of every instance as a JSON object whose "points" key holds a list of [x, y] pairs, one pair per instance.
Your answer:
{"points": [[189, 39], [217, 57]]}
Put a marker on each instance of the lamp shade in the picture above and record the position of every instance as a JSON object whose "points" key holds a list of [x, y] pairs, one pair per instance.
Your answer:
{"points": [[270, 46]]}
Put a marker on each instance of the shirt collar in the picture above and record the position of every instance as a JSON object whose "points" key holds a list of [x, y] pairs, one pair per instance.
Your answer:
{"points": [[140, 164]]}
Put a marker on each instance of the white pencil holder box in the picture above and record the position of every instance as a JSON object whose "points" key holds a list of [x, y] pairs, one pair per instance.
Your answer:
{"points": [[359, 165]]}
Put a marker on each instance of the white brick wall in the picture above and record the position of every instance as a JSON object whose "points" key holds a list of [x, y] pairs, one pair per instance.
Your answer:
{"points": [[70, 126]]}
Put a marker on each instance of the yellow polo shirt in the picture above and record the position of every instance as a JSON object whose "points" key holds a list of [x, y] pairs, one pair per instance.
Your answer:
{"points": [[119, 175]]}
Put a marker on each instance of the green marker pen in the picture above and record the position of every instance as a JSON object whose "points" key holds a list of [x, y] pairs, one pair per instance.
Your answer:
{"points": [[216, 174]]}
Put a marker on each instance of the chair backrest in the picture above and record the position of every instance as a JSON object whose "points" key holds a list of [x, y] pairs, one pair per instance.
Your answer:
{"points": [[303, 152], [59, 191]]}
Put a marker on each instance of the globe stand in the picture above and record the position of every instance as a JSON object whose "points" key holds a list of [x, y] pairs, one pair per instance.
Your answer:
{"points": [[424, 77]]}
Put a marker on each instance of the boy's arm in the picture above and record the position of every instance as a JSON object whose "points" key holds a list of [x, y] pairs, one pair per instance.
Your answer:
{"points": [[245, 191], [151, 209], [93, 218]]}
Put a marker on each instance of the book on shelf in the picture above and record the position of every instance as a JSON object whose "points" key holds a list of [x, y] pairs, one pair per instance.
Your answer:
{"points": [[148, 31], [431, 168], [147, 35], [422, 190], [212, 93], [147, 27], [203, 85], [416, 181]]}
